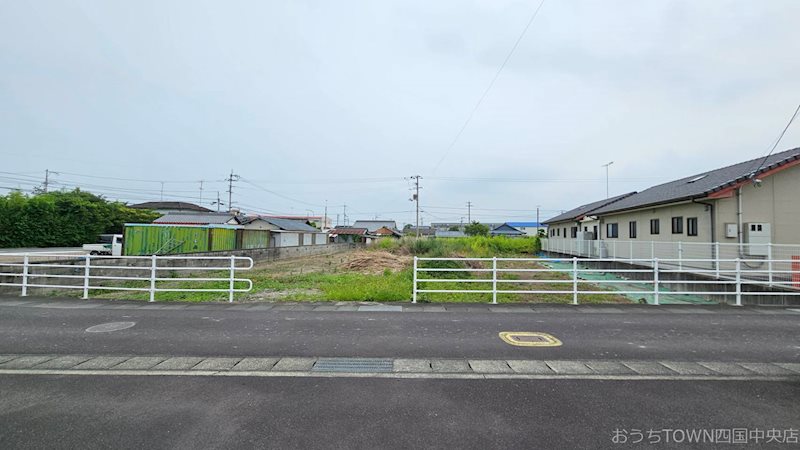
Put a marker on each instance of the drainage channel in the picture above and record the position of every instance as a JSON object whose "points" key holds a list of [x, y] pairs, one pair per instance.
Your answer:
{"points": [[353, 365]]}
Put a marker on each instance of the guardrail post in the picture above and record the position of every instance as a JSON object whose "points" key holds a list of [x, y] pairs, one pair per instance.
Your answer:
{"points": [[716, 258], [87, 264], [494, 280], [414, 290], [680, 255], [574, 281], [769, 262], [153, 266], [233, 276], [25, 261], [655, 281], [738, 282]]}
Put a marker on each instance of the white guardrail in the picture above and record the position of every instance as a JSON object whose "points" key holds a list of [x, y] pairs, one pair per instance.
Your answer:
{"points": [[566, 276], [763, 262], [117, 273]]}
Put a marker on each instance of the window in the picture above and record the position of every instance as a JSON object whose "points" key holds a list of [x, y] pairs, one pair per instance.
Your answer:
{"points": [[574, 232], [558, 232], [677, 225], [565, 231], [632, 229], [691, 226], [655, 226], [612, 230]]}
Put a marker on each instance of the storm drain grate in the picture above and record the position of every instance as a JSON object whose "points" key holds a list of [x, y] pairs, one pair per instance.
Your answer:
{"points": [[353, 365]]}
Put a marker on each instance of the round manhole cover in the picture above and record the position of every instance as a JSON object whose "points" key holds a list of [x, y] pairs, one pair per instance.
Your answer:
{"points": [[110, 326]]}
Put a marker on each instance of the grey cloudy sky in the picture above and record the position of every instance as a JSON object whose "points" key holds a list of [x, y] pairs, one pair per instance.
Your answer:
{"points": [[338, 101]]}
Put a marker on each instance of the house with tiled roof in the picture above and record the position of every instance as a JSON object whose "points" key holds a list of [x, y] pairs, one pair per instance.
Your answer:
{"points": [[750, 202]]}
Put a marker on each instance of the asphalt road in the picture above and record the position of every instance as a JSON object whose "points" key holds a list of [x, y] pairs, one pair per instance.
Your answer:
{"points": [[106, 410], [643, 333], [192, 413]]}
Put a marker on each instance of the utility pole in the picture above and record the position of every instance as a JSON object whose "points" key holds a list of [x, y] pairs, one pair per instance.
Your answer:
{"points": [[218, 202], [47, 173], [325, 217], [469, 212], [344, 214], [606, 166], [162, 191], [233, 177], [415, 198], [537, 219], [201, 192]]}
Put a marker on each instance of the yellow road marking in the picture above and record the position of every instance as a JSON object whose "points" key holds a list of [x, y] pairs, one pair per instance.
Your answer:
{"points": [[529, 339]]}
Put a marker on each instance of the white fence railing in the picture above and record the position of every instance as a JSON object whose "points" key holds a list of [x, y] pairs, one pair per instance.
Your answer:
{"points": [[121, 273], [764, 262], [648, 277]]}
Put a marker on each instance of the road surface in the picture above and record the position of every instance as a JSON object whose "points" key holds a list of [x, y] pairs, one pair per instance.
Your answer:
{"points": [[241, 376]]}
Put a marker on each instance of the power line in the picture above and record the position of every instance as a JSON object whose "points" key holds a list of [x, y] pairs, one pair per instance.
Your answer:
{"points": [[752, 174], [277, 194], [489, 88]]}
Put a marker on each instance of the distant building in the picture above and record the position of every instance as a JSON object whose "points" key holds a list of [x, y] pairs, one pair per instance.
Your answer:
{"points": [[388, 232], [529, 228], [424, 230], [321, 222], [506, 230], [198, 218], [449, 234], [170, 207], [341, 235], [373, 225]]}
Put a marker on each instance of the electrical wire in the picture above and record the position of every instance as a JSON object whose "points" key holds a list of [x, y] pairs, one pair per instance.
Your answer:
{"points": [[753, 173], [489, 88]]}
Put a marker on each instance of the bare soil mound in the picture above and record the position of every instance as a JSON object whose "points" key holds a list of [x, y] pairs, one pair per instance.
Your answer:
{"points": [[375, 262]]}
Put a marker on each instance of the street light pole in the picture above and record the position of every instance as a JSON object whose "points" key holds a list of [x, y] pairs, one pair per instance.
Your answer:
{"points": [[606, 166]]}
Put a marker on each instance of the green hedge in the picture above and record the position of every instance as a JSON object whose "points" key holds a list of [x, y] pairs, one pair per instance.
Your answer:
{"points": [[62, 219]]}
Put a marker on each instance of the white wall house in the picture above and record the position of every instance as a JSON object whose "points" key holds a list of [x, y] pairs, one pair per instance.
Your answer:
{"points": [[744, 204]]}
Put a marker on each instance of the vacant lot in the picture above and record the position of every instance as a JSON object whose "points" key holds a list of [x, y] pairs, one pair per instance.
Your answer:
{"points": [[384, 273]]}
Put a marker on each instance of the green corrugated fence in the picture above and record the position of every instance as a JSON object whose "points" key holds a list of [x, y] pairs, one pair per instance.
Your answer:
{"points": [[156, 239]]}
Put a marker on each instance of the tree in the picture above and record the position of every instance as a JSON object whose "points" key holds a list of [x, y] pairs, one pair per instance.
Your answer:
{"points": [[62, 219], [476, 229]]}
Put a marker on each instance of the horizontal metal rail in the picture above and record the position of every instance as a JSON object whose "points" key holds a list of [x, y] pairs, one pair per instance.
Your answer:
{"points": [[30, 274], [730, 281]]}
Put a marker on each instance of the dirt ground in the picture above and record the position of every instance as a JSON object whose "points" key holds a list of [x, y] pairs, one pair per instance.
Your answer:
{"points": [[359, 261]]}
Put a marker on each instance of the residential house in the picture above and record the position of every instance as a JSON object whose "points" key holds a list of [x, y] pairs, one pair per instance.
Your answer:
{"points": [[752, 202], [171, 207], [506, 230], [424, 230], [198, 218], [291, 233], [342, 235], [322, 222], [529, 228], [388, 232], [373, 225]]}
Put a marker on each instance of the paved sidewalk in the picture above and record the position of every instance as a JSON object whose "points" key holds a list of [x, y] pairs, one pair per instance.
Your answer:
{"points": [[393, 368]]}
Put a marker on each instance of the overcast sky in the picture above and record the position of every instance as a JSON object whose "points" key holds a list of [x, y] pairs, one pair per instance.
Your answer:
{"points": [[339, 101]]}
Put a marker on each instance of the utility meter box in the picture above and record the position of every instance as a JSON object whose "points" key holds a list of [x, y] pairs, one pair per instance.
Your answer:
{"points": [[731, 230], [757, 236]]}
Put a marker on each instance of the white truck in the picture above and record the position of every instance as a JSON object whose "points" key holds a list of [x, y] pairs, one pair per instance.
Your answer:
{"points": [[109, 244]]}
